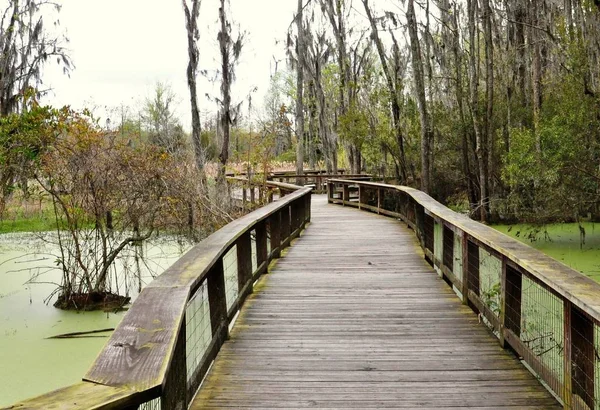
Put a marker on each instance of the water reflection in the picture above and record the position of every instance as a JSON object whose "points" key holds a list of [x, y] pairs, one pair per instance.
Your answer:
{"points": [[30, 364]]}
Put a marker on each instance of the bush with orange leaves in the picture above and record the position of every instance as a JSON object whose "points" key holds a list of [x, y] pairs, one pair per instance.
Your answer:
{"points": [[110, 193]]}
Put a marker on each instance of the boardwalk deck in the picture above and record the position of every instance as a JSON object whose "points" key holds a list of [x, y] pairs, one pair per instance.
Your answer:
{"points": [[353, 317]]}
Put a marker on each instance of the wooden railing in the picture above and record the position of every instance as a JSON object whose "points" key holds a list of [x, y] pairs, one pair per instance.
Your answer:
{"points": [[163, 347], [548, 313], [318, 181]]}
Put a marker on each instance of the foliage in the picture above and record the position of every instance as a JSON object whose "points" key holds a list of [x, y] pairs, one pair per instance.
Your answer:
{"points": [[23, 139], [110, 195]]}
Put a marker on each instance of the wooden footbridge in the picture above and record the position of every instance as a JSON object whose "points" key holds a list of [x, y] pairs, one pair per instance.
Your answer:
{"points": [[386, 299]]}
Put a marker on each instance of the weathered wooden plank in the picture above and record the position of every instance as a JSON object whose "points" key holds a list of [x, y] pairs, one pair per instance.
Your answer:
{"points": [[579, 289], [353, 317], [82, 396], [139, 351]]}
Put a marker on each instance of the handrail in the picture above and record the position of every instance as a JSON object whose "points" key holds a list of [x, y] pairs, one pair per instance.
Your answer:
{"points": [[547, 312], [319, 181], [164, 345]]}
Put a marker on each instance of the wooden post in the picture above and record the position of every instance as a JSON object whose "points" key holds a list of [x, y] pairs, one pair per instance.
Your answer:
{"points": [[261, 244], [378, 200], [217, 302], [244, 262], [285, 224], [420, 223], [360, 196], [503, 305], [567, 366], [330, 190], [346, 193], [275, 230], [465, 268], [175, 394]]}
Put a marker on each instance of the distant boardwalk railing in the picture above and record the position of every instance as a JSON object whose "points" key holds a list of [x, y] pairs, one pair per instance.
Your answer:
{"points": [[165, 344], [548, 313]]}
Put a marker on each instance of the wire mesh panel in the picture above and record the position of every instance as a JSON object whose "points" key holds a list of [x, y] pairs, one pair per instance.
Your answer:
{"points": [[448, 254], [198, 329], [583, 358], [457, 263], [253, 250], [390, 200], [490, 275], [438, 245], [230, 269], [541, 330], [472, 268], [151, 405]]}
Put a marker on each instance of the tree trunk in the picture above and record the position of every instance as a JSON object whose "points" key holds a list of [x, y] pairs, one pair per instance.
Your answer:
{"points": [[193, 34], [224, 41], [488, 141], [300, 92], [392, 87], [426, 132], [474, 85]]}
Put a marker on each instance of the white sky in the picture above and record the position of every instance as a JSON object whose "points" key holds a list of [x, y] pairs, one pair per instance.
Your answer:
{"points": [[121, 48]]}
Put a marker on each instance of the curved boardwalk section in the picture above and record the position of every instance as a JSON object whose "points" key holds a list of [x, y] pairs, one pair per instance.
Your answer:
{"points": [[353, 317]]}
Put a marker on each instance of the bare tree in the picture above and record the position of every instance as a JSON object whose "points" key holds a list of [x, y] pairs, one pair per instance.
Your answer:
{"points": [[394, 85], [419, 78], [25, 48], [301, 50], [230, 50], [193, 35]]}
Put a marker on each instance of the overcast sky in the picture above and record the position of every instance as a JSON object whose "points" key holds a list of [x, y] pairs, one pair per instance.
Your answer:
{"points": [[121, 48]]}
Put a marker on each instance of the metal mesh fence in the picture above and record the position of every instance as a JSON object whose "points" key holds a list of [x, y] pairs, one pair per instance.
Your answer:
{"points": [[151, 405], [490, 275], [197, 328], [472, 268], [457, 263], [583, 360], [254, 253], [438, 244]]}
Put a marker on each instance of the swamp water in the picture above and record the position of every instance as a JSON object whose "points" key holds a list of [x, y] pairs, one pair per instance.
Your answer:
{"points": [[562, 242], [31, 364]]}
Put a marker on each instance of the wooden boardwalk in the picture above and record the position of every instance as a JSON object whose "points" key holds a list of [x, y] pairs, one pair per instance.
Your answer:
{"points": [[353, 317]]}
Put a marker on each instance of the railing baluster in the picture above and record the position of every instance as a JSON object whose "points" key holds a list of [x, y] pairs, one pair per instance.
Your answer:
{"points": [[175, 394], [261, 247], [285, 226], [217, 302], [244, 260], [276, 231]]}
